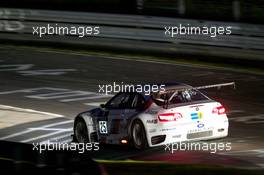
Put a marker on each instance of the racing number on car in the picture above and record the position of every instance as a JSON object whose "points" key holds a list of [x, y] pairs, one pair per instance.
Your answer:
{"points": [[103, 127]]}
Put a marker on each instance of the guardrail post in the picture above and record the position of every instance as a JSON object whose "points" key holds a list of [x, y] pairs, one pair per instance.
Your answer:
{"points": [[181, 7], [4, 14], [236, 10], [140, 5]]}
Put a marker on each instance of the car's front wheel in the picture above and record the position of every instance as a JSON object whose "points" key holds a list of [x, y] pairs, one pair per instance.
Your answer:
{"points": [[81, 131], [138, 135]]}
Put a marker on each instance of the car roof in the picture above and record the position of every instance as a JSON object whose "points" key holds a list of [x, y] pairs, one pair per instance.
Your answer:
{"points": [[170, 86]]}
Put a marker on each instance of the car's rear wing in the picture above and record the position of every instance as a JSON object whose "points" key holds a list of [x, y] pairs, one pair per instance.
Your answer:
{"points": [[167, 100], [218, 86]]}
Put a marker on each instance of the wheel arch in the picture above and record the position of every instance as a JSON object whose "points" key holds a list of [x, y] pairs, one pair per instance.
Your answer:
{"points": [[88, 122], [142, 118]]}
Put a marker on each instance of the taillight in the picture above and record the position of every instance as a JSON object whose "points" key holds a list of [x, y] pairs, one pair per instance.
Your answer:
{"points": [[169, 117], [219, 110]]}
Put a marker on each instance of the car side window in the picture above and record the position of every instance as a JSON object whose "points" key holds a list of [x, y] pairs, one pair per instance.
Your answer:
{"points": [[138, 102], [119, 101]]}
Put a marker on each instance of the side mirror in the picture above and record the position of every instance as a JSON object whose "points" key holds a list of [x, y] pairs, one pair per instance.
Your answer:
{"points": [[102, 105]]}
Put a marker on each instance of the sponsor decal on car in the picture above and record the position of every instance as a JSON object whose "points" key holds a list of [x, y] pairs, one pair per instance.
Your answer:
{"points": [[153, 121], [168, 129], [196, 115], [200, 125], [200, 130], [176, 136]]}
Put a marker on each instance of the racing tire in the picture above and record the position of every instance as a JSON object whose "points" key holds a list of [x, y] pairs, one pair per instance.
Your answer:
{"points": [[80, 131], [138, 135]]}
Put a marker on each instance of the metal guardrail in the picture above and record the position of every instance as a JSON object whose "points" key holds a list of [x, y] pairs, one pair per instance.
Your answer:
{"points": [[244, 37]]}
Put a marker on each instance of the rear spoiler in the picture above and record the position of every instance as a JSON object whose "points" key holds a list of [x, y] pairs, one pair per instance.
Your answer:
{"points": [[218, 86]]}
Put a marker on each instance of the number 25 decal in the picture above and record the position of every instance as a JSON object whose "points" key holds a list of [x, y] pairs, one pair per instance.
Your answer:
{"points": [[103, 127]]}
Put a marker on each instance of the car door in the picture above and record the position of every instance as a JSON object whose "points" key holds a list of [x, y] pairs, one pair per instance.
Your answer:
{"points": [[119, 111], [115, 109], [135, 106]]}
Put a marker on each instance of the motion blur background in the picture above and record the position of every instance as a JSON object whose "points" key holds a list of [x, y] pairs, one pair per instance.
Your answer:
{"points": [[251, 11], [132, 48], [137, 27]]}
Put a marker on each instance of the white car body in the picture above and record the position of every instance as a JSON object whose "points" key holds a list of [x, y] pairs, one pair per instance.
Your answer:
{"points": [[163, 121], [186, 128]]}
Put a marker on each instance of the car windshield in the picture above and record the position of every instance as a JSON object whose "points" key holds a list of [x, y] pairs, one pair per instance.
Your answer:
{"points": [[178, 96]]}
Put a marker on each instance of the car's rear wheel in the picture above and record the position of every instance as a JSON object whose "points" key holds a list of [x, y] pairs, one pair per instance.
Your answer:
{"points": [[81, 131], [138, 135]]}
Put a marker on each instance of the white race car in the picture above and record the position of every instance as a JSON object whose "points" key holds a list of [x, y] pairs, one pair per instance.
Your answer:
{"points": [[180, 113]]}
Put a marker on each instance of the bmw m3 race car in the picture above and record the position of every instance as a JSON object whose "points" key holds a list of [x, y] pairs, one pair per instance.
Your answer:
{"points": [[179, 113]]}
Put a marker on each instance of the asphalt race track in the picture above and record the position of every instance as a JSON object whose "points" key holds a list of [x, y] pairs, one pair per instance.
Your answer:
{"points": [[64, 84]]}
